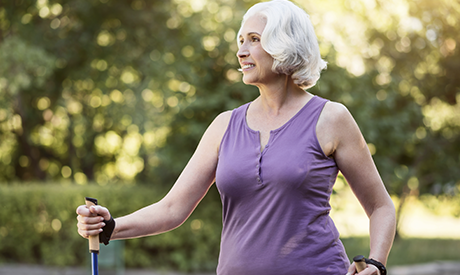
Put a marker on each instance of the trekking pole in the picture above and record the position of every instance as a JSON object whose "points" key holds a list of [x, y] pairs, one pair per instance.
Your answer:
{"points": [[360, 263], [93, 242]]}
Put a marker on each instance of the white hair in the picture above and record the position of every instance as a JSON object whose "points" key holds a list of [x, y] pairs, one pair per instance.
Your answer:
{"points": [[290, 39]]}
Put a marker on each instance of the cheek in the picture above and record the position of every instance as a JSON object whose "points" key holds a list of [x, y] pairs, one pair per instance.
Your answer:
{"points": [[266, 59], [266, 64]]}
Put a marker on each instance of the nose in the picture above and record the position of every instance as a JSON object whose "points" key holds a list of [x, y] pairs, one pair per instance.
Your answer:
{"points": [[242, 51]]}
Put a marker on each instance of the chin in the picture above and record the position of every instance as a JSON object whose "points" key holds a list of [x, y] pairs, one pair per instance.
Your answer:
{"points": [[248, 81]]}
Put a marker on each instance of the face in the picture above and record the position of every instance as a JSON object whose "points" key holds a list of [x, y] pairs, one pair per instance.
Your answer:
{"points": [[255, 62]]}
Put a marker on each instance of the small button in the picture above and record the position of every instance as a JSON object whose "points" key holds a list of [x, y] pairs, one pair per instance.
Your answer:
{"points": [[257, 165]]}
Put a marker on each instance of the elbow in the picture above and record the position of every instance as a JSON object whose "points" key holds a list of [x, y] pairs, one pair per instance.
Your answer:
{"points": [[382, 208], [174, 217], [390, 206], [385, 211]]}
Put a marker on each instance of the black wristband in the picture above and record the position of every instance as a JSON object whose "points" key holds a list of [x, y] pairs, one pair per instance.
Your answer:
{"points": [[379, 265], [107, 230]]}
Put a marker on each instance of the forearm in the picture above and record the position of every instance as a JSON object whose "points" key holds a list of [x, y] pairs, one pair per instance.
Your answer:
{"points": [[382, 232], [151, 220]]}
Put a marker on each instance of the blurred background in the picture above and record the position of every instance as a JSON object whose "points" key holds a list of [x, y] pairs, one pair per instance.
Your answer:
{"points": [[109, 98]]}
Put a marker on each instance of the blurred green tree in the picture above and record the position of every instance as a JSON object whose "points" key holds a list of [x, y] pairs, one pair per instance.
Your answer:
{"points": [[108, 91], [402, 85]]}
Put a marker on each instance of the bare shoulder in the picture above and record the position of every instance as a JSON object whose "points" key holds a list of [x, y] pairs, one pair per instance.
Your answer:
{"points": [[223, 118], [215, 132], [337, 119], [336, 113], [220, 123], [335, 125]]}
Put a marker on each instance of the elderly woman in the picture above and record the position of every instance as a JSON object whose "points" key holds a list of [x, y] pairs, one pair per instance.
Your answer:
{"points": [[274, 161]]}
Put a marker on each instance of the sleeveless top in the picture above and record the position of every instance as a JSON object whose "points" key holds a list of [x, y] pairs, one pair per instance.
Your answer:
{"points": [[276, 202]]}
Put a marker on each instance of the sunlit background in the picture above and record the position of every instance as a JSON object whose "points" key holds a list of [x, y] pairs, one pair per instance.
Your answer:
{"points": [[110, 98]]}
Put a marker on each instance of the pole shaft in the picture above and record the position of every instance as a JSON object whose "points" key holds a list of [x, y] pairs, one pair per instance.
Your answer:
{"points": [[94, 264], [93, 242]]}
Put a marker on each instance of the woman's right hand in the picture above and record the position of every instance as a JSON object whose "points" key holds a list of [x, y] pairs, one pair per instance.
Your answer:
{"points": [[90, 220]]}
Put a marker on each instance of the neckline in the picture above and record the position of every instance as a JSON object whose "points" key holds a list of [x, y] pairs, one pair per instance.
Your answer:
{"points": [[282, 126]]}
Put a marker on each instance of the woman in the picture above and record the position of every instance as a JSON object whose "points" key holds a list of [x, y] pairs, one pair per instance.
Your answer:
{"points": [[274, 161]]}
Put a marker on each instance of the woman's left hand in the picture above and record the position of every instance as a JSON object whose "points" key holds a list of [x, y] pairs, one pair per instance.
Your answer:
{"points": [[370, 270]]}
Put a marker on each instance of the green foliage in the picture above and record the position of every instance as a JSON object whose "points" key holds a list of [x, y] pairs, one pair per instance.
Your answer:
{"points": [[125, 79], [122, 91], [23, 65], [38, 226]]}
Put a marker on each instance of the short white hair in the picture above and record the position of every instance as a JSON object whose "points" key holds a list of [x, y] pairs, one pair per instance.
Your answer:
{"points": [[290, 39]]}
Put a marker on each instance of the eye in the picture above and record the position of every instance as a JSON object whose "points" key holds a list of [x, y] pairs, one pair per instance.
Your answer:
{"points": [[255, 39], [241, 41]]}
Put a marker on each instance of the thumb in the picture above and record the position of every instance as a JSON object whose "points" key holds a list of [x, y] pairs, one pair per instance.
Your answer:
{"points": [[100, 211]]}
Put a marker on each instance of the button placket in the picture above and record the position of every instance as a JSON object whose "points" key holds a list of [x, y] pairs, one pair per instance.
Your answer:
{"points": [[259, 157]]}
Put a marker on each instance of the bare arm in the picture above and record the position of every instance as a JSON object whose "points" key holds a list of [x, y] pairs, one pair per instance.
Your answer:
{"points": [[170, 212], [349, 149]]}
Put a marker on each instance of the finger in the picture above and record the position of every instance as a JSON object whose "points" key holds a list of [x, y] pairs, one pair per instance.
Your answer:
{"points": [[373, 270], [89, 220], [87, 229], [87, 233], [83, 210], [100, 211], [370, 270], [90, 227]]}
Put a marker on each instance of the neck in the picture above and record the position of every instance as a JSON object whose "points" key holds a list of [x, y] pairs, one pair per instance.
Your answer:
{"points": [[280, 94]]}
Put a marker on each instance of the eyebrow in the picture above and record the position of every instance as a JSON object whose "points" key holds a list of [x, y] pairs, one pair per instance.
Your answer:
{"points": [[250, 33]]}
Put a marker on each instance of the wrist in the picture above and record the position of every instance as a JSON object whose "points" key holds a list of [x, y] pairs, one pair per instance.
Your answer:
{"points": [[107, 230]]}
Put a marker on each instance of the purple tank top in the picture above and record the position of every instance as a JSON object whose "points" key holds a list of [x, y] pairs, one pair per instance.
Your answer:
{"points": [[276, 202]]}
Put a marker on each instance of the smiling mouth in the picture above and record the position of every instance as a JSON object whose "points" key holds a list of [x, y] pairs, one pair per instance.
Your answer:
{"points": [[246, 67]]}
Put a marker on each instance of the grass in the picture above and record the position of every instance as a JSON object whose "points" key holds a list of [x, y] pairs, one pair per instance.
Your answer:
{"points": [[408, 251]]}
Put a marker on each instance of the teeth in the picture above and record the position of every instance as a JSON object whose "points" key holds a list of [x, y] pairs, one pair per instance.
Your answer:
{"points": [[248, 66]]}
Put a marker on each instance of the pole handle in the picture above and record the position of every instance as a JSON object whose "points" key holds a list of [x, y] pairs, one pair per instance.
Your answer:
{"points": [[360, 263], [93, 240]]}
